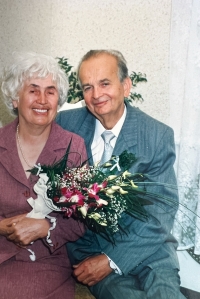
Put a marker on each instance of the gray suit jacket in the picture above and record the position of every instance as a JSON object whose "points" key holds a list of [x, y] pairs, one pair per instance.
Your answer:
{"points": [[146, 243]]}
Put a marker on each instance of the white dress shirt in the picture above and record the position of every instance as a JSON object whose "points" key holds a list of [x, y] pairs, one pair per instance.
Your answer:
{"points": [[97, 146]]}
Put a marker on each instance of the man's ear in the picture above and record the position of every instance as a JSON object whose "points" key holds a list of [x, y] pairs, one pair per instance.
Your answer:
{"points": [[127, 86]]}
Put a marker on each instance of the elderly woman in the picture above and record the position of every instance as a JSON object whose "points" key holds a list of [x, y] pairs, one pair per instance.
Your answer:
{"points": [[33, 87]]}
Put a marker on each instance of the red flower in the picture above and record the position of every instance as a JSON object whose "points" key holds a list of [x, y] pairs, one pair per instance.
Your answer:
{"points": [[77, 197], [95, 188]]}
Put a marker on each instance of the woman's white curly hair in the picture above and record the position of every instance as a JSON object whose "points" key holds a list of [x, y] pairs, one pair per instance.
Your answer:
{"points": [[28, 65]]}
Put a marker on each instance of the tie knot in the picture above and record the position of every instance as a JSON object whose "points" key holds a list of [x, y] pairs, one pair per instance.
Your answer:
{"points": [[107, 136]]}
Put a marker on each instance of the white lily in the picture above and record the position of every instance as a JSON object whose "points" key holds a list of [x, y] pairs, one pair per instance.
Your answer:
{"points": [[123, 191], [102, 202], [95, 216], [83, 211], [103, 223], [110, 191], [115, 188], [125, 174], [133, 185], [111, 177]]}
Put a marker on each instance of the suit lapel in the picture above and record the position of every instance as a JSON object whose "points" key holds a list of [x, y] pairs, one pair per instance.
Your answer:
{"points": [[87, 132], [127, 139]]}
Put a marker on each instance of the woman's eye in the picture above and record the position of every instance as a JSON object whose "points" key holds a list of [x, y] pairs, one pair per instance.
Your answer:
{"points": [[34, 91]]}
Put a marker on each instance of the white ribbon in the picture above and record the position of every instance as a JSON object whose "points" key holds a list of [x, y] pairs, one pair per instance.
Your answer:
{"points": [[39, 168], [116, 164], [42, 206], [53, 221], [40, 209]]}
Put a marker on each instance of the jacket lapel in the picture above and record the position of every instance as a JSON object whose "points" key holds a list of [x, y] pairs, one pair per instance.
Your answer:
{"points": [[9, 156], [87, 132], [127, 139]]}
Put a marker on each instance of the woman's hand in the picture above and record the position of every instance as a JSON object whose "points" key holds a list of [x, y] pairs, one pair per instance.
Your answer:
{"points": [[22, 230], [28, 230], [6, 224]]}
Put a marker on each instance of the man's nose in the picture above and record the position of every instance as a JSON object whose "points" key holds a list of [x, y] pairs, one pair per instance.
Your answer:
{"points": [[97, 93]]}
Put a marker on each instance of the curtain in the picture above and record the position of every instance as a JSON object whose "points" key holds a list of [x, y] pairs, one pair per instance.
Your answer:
{"points": [[185, 117]]}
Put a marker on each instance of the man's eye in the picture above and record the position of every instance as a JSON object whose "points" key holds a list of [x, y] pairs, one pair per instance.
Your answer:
{"points": [[86, 88]]}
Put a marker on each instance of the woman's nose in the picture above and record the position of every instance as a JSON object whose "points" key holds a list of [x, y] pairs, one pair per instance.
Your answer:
{"points": [[42, 98]]}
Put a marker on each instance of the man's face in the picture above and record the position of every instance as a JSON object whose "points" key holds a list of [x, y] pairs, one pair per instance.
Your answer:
{"points": [[103, 92]]}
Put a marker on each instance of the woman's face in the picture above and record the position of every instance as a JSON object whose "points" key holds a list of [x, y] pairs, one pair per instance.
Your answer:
{"points": [[38, 101]]}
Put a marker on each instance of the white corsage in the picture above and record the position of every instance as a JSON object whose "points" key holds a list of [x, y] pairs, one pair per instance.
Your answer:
{"points": [[42, 206]]}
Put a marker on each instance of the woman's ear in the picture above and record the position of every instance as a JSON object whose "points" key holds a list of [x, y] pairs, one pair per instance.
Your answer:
{"points": [[15, 104]]}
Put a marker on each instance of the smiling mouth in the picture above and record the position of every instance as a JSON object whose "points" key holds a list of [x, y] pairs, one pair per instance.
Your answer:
{"points": [[100, 103], [40, 110]]}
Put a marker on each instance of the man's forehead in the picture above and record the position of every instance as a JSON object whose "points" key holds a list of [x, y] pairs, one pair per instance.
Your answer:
{"points": [[102, 66], [103, 57]]}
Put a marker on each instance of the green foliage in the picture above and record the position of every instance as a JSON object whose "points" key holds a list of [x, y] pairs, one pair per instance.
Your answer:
{"points": [[135, 79], [75, 93], [126, 160]]}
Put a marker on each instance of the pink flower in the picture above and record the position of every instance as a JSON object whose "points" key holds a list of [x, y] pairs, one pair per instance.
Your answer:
{"points": [[103, 184], [67, 192], [92, 192], [63, 199], [94, 189], [78, 198]]}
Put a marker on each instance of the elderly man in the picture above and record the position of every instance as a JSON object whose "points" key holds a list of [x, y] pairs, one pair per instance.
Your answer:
{"points": [[143, 263]]}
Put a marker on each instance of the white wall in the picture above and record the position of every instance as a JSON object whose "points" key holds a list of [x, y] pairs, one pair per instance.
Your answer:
{"points": [[138, 28]]}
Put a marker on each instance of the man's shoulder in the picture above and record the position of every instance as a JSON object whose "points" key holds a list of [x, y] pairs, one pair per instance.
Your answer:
{"points": [[78, 111], [68, 119], [64, 133], [144, 120], [60, 137]]}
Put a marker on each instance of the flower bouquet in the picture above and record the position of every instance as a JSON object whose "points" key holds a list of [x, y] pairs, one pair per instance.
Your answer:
{"points": [[96, 195]]}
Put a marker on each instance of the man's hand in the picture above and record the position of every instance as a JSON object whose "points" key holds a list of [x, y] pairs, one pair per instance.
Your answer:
{"points": [[92, 270]]}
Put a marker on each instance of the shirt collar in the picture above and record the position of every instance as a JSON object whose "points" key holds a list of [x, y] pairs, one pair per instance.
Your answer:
{"points": [[99, 128]]}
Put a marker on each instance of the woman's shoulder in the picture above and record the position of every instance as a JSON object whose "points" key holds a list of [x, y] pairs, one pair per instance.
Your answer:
{"points": [[8, 130]]}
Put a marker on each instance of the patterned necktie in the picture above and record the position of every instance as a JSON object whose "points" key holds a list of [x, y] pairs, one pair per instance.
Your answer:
{"points": [[108, 149]]}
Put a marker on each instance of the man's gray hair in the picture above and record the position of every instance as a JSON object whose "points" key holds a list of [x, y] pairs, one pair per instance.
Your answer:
{"points": [[28, 65], [121, 62]]}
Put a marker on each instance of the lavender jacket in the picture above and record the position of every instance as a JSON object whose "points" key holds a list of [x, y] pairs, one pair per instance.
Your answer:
{"points": [[15, 188]]}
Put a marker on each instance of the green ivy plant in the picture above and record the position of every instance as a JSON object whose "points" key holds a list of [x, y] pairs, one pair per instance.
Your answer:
{"points": [[75, 93]]}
